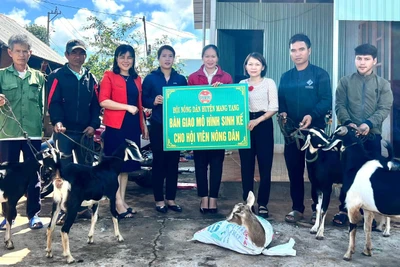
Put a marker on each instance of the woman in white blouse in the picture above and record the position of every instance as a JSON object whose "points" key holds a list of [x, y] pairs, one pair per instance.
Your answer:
{"points": [[263, 104]]}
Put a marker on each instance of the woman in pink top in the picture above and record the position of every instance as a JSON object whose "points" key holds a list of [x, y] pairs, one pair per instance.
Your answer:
{"points": [[263, 104]]}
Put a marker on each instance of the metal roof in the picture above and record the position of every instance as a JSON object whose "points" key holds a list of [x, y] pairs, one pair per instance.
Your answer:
{"points": [[8, 27]]}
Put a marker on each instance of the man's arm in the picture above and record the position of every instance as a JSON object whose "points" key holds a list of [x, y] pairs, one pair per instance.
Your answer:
{"points": [[94, 105], [341, 104], [324, 96], [384, 105], [55, 100]]}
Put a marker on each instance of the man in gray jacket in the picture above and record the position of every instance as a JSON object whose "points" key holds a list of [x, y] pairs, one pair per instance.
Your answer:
{"points": [[363, 101]]}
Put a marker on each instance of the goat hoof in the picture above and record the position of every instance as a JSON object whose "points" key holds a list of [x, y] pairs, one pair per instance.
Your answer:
{"points": [[318, 237], [386, 235], [120, 239], [70, 260], [49, 255], [347, 258], [313, 232], [367, 253], [9, 244], [90, 240]]}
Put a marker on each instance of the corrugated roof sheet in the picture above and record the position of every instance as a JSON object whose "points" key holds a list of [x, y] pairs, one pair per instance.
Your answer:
{"points": [[8, 27]]}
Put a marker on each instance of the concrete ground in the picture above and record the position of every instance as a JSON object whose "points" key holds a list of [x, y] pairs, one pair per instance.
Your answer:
{"points": [[154, 239]]}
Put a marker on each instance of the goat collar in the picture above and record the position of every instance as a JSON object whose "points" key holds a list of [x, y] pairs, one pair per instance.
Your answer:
{"points": [[313, 159]]}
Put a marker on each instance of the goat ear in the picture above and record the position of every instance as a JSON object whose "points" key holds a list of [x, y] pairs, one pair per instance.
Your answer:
{"points": [[250, 199], [307, 142], [332, 144]]}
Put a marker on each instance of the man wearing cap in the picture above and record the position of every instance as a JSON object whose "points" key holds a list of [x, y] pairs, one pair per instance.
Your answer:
{"points": [[21, 96], [73, 105]]}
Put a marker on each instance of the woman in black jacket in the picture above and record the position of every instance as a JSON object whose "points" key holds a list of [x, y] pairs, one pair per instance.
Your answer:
{"points": [[165, 163]]}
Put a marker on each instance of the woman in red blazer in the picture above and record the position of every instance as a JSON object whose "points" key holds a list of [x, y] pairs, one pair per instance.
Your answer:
{"points": [[121, 97], [212, 74]]}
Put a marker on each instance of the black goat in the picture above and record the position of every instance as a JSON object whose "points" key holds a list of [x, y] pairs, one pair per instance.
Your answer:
{"points": [[86, 186], [16, 177], [325, 170], [371, 185]]}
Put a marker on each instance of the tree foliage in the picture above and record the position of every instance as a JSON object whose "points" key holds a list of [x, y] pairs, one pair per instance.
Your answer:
{"points": [[107, 37], [39, 31]]}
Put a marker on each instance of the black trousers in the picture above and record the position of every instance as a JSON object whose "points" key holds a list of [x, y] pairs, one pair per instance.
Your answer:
{"points": [[9, 151], [295, 162], [203, 158], [373, 148], [262, 146], [165, 165]]}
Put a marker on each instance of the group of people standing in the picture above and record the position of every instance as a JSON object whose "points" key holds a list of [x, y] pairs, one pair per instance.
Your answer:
{"points": [[75, 102]]}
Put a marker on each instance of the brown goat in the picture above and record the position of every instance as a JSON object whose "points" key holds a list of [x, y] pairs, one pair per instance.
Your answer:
{"points": [[243, 215]]}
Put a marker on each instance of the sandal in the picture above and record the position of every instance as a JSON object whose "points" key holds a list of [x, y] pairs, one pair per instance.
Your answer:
{"points": [[263, 212], [340, 219], [313, 217], [125, 215], [61, 218], [131, 210], [35, 222], [3, 224], [293, 216]]}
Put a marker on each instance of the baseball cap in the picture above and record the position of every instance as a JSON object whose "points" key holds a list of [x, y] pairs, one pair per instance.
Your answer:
{"points": [[74, 44]]}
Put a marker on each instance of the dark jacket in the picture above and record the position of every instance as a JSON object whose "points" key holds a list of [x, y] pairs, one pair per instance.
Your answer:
{"points": [[153, 86], [200, 78], [73, 103], [306, 92], [363, 99]]}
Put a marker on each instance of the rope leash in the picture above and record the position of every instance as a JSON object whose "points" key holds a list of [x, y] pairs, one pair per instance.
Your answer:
{"points": [[86, 143], [290, 132]]}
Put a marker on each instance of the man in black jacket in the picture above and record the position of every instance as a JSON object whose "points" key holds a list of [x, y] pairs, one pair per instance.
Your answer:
{"points": [[305, 96], [73, 104]]}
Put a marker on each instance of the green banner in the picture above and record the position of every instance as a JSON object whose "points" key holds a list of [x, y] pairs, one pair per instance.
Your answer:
{"points": [[206, 117]]}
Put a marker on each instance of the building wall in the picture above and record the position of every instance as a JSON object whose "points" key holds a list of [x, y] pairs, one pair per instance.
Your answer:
{"points": [[5, 59], [279, 22]]}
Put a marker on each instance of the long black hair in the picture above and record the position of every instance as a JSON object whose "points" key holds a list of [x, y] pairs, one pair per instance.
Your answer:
{"points": [[121, 50]]}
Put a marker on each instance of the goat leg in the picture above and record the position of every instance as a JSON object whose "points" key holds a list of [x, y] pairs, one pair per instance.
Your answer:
{"points": [[7, 238], [316, 226], [352, 238], [320, 234], [50, 229], [386, 233], [11, 214], [67, 252], [114, 213], [368, 217], [95, 216]]}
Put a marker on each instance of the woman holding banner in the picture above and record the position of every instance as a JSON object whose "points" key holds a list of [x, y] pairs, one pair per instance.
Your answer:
{"points": [[263, 104], [209, 74], [165, 163]]}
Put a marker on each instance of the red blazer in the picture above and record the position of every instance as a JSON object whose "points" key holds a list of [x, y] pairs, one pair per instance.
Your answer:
{"points": [[199, 77], [113, 87]]}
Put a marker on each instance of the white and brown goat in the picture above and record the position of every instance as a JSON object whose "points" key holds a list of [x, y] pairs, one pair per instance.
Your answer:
{"points": [[243, 215]]}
